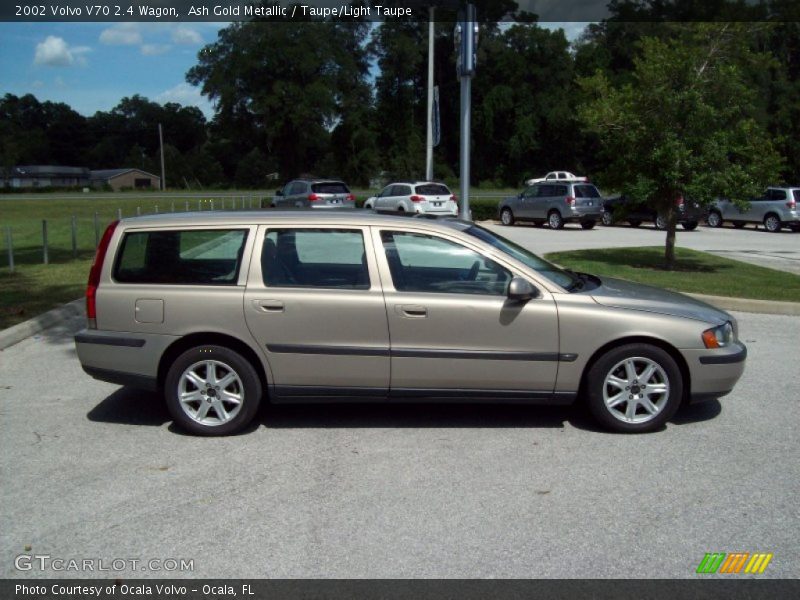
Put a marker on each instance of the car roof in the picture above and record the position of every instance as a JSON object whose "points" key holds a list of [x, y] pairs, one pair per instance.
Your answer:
{"points": [[413, 182], [300, 216]]}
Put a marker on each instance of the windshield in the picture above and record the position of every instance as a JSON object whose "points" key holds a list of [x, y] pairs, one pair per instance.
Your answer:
{"points": [[555, 274]]}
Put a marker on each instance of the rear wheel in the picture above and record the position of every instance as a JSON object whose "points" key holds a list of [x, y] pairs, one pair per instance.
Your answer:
{"points": [[634, 388], [555, 220], [608, 219], [401, 209], [714, 219], [634, 223], [507, 217], [588, 224], [772, 223], [212, 390], [689, 225]]}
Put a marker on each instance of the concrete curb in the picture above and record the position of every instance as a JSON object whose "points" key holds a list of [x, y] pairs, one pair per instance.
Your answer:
{"points": [[20, 331], [768, 307]]}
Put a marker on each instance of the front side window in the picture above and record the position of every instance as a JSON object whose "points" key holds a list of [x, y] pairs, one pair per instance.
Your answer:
{"points": [[315, 258], [424, 263], [187, 257]]}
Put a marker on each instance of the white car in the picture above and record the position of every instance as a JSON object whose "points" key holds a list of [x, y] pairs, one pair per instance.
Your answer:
{"points": [[557, 176], [416, 197]]}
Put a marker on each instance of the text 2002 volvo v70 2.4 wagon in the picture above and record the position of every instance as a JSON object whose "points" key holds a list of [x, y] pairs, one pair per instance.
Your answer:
{"points": [[223, 310]]}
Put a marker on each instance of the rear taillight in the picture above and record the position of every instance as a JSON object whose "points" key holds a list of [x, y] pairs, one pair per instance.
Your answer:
{"points": [[570, 201], [679, 201], [313, 197], [94, 275], [791, 205], [417, 199], [454, 198], [351, 198]]}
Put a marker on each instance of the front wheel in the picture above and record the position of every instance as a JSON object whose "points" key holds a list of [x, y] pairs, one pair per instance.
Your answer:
{"points": [[588, 224], [714, 219], [772, 223], [212, 390], [507, 217], [689, 225], [635, 388], [555, 220]]}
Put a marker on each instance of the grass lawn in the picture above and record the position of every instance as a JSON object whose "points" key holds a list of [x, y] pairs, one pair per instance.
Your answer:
{"points": [[695, 272]]}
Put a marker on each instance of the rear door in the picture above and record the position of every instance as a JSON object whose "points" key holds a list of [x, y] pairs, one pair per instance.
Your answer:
{"points": [[453, 331], [587, 195], [314, 304], [436, 196]]}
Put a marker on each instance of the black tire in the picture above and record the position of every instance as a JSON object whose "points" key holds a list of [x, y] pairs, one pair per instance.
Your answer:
{"points": [[555, 220], [772, 223], [739, 224], [608, 218], [248, 380], [605, 366], [507, 217], [588, 224], [634, 223], [401, 209], [689, 225], [714, 219]]}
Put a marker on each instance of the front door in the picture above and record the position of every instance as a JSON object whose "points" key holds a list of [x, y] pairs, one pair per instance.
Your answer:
{"points": [[314, 304], [453, 330]]}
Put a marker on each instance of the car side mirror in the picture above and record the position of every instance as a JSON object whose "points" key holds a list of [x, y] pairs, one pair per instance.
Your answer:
{"points": [[521, 289], [279, 192]]}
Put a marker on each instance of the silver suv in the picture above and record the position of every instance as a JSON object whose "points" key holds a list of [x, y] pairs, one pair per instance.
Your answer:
{"points": [[414, 197], [314, 193], [221, 311], [555, 204], [776, 208]]}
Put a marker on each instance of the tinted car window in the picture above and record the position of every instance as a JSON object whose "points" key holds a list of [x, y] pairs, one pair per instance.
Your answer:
{"points": [[298, 187], [423, 263], [545, 191], [317, 258], [778, 195], [586, 191], [401, 190], [433, 189], [796, 195], [559, 190], [189, 257], [329, 187]]}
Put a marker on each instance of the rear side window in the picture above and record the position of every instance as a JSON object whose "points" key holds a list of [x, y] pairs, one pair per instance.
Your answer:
{"points": [[796, 195], [777, 195], [560, 190], [298, 188], [315, 258], [545, 191], [330, 187], [186, 257], [586, 191], [433, 189], [401, 190]]}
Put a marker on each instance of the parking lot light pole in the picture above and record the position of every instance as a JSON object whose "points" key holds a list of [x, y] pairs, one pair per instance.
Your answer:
{"points": [[466, 43], [429, 133]]}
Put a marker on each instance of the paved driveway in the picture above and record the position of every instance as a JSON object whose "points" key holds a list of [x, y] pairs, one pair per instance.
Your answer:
{"points": [[775, 250], [90, 470]]}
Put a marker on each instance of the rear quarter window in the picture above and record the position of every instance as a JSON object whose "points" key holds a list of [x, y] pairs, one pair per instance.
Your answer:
{"points": [[796, 195], [586, 191], [181, 257]]}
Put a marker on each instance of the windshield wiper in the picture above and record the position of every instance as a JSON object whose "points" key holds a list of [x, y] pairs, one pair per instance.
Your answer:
{"points": [[578, 282]]}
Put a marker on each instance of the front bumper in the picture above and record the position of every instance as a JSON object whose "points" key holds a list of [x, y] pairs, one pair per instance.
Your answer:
{"points": [[714, 373]]}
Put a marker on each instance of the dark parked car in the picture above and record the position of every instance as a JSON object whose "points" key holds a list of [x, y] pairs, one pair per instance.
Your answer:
{"points": [[636, 212]]}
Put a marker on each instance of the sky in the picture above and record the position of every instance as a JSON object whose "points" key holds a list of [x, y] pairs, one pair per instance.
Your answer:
{"points": [[92, 66]]}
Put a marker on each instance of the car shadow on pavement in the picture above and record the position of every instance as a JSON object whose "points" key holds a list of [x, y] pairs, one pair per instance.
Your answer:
{"points": [[129, 406]]}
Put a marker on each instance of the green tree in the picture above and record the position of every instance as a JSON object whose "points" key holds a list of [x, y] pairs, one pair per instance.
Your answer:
{"points": [[253, 170], [683, 124]]}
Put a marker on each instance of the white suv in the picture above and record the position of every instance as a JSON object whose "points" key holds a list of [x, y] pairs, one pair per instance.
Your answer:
{"points": [[416, 197]]}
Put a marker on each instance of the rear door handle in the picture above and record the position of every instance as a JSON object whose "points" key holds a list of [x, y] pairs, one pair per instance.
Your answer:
{"points": [[412, 311], [269, 306]]}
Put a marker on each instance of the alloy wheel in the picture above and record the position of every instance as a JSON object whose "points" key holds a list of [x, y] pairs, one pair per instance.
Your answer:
{"points": [[210, 392], [636, 390]]}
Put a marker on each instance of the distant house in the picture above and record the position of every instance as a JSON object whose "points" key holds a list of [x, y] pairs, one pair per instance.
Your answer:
{"points": [[119, 179], [40, 176]]}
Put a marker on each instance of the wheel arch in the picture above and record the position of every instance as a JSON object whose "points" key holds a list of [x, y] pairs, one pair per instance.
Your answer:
{"points": [[641, 339], [209, 337]]}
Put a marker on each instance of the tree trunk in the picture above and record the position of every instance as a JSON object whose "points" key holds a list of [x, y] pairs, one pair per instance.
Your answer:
{"points": [[669, 250]]}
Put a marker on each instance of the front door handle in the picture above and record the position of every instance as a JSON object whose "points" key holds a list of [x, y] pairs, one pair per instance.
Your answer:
{"points": [[269, 306], [412, 311]]}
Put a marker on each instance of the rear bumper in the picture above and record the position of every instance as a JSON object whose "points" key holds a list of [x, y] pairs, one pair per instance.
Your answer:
{"points": [[121, 378], [714, 373], [587, 214]]}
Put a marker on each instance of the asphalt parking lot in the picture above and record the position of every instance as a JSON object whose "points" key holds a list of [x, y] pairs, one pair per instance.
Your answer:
{"points": [[774, 250], [92, 470]]}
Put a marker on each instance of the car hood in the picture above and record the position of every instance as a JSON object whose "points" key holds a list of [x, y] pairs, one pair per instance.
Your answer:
{"points": [[617, 293]]}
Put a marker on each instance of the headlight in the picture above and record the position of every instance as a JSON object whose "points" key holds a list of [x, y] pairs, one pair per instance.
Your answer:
{"points": [[719, 337]]}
